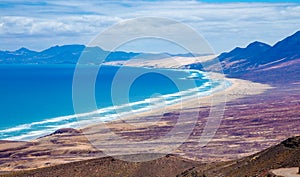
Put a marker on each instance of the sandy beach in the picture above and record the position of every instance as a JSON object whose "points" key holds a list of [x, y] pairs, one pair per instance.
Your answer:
{"points": [[143, 130], [238, 88], [168, 62], [147, 132]]}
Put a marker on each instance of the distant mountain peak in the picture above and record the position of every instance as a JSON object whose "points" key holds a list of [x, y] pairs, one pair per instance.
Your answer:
{"points": [[261, 56], [69, 47], [255, 48], [256, 44], [23, 51]]}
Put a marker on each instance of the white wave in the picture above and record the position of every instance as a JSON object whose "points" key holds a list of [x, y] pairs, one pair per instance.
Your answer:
{"points": [[30, 135], [17, 128], [101, 115]]}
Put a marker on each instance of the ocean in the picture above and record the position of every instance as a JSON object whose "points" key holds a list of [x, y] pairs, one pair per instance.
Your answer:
{"points": [[37, 99]]}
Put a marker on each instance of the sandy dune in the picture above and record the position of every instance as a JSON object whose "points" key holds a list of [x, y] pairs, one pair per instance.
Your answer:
{"points": [[171, 62]]}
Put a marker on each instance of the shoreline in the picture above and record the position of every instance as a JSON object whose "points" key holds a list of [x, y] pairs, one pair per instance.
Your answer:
{"points": [[74, 124], [71, 124], [138, 133], [233, 89], [238, 89], [68, 147]]}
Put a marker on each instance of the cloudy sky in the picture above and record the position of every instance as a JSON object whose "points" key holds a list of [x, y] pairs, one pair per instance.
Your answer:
{"points": [[224, 24]]}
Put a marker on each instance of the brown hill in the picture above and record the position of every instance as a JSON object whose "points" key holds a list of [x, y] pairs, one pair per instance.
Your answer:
{"points": [[283, 155], [62, 146], [286, 154], [167, 166]]}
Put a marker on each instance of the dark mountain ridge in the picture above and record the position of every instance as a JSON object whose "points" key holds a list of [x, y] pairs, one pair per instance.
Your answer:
{"points": [[260, 62], [254, 49]]}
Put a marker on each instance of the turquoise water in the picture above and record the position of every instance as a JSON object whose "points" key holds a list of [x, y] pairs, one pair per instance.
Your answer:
{"points": [[37, 99]]}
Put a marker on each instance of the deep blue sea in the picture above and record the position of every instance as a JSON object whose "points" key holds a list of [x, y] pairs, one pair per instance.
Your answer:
{"points": [[37, 99]]}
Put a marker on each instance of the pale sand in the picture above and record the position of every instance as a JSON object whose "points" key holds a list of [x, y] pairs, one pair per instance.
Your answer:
{"points": [[105, 135], [172, 62], [74, 148], [238, 89]]}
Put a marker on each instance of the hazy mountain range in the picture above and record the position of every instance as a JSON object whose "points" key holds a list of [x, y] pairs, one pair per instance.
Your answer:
{"points": [[258, 61], [69, 54]]}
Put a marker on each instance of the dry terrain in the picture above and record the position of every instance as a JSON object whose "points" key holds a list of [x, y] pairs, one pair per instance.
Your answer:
{"points": [[250, 125], [282, 156]]}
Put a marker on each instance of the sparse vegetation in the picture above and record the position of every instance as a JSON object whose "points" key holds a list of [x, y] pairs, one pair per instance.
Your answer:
{"points": [[279, 156]]}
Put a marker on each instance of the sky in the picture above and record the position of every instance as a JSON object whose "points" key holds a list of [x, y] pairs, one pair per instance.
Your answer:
{"points": [[40, 24]]}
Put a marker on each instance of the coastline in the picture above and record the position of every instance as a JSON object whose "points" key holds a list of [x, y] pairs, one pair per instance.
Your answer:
{"points": [[142, 128], [231, 88], [76, 147], [103, 113], [238, 88], [30, 130]]}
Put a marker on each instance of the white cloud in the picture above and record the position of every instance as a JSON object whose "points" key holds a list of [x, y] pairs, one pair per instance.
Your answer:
{"points": [[20, 25], [225, 25]]}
